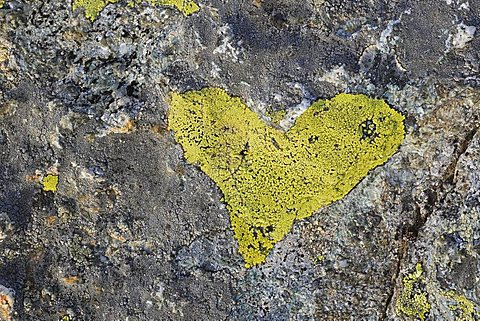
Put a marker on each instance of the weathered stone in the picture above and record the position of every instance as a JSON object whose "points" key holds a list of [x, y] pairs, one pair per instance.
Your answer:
{"points": [[132, 231]]}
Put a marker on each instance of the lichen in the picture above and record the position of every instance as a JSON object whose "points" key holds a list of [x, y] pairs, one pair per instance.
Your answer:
{"points": [[463, 307], [276, 116], [187, 7], [2, 3], [269, 178], [94, 7], [413, 300], [50, 183], [318, 259]]}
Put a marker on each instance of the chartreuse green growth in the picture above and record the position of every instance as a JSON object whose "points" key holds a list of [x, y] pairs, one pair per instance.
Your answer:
{"points": [[93, 7], [413, 300], [270, 178], [464, 309], [50, 183]]}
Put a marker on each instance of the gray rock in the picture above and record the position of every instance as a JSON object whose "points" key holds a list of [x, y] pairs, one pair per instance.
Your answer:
{"points": [[133, 232]]}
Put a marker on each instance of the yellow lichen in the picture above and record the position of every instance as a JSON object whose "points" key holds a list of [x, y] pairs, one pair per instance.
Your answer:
{"points": [[463, 307], [94, 7], [413, 300], [50, 183], [269, 178], [2, 3], [187, 7], [276, 116], [318, 259]]}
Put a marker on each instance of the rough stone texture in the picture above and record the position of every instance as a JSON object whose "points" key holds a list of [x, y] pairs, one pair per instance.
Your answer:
{"points": [[135, 233]]}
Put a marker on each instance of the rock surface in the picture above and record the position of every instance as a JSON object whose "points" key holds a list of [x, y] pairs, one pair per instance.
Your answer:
{"points": [[133, 232]]}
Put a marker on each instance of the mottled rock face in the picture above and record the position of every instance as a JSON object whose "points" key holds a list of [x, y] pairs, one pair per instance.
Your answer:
{"points": [[132, 231]]}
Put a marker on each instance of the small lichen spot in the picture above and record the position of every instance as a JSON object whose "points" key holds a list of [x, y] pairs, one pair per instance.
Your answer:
{"points": [[270, 178], [94, 7], [463, 308], [50, 183], [319, 259], [66, 317], [413, 300]]}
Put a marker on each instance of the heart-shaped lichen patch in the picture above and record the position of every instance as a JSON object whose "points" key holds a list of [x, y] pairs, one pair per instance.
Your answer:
{"points": [[270, 178]]}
